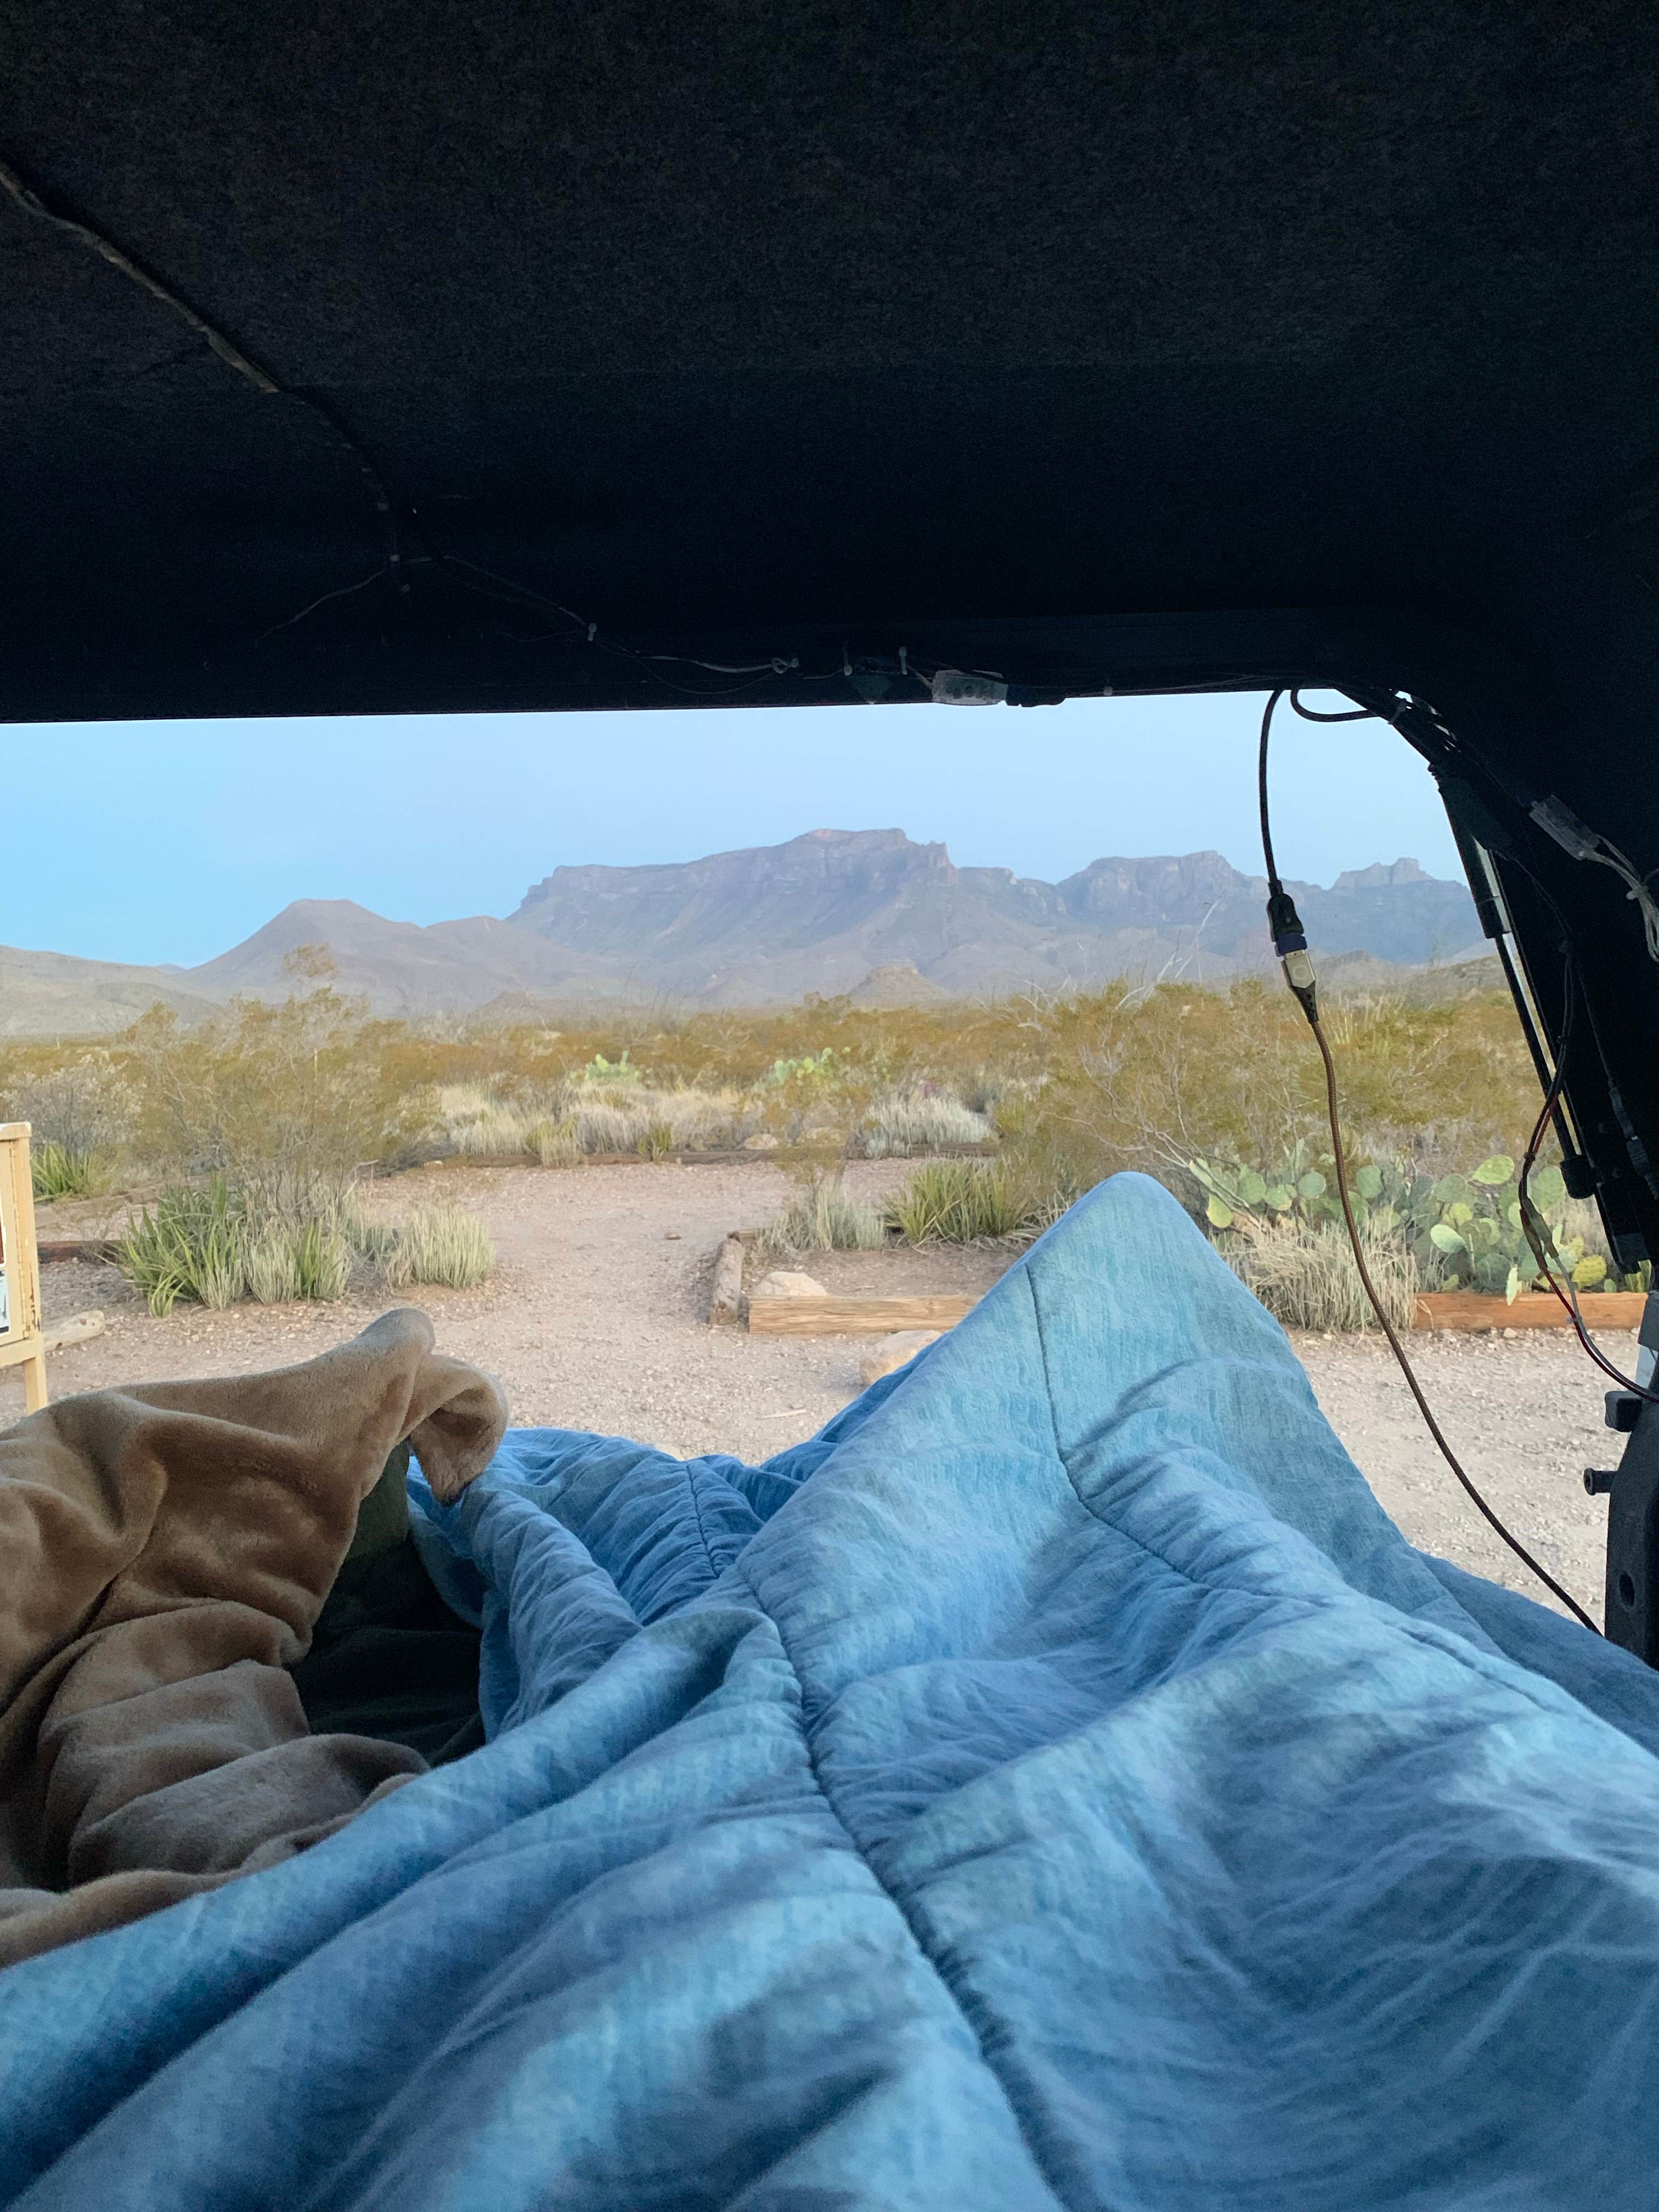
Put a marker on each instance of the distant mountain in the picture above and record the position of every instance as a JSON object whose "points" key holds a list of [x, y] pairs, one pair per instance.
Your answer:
{"points": [[398, 966], [823, 911], [55, 994], [867, 913]]}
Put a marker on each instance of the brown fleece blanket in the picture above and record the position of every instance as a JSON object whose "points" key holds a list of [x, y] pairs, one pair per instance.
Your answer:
{"points": [[164, 1553]]}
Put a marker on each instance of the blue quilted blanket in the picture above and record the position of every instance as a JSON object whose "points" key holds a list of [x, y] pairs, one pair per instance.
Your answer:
{"points": [[1058, 1783]]}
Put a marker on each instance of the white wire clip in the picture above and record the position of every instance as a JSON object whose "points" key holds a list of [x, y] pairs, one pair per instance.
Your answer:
{"points": [[1556, 820]]}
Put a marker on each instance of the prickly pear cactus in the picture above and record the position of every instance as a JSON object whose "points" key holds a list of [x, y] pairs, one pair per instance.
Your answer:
{"points": [[1465, 1230]]}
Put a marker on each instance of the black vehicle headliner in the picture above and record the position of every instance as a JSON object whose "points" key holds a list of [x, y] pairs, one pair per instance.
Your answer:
{"points": [[1103, 346]]}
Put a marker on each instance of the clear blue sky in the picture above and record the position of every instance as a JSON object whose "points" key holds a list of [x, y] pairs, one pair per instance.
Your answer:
{"points": [[161, 841]]}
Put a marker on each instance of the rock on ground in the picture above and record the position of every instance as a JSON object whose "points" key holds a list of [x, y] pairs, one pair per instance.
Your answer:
{"points": [[892, 1352]]}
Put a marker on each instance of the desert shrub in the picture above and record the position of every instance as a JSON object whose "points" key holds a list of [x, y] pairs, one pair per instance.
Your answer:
{"points": [[1154, 1079], [81, 1115], [189, 1245], [203, 1244], [442, 1244], [823, 1218], [959, 1200], [1304, 1273], [906, 1121], [373, 1240], [282, 1103]]}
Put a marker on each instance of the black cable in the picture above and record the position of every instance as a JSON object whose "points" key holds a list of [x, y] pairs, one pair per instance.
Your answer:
{"points": [[1298, 975], [1398, 1349], [32, 204], [1273, 698], [1348, 714]]}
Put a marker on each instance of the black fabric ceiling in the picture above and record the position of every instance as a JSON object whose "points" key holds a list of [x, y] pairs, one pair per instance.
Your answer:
{"points": [[720, 320], [1105, 345]]}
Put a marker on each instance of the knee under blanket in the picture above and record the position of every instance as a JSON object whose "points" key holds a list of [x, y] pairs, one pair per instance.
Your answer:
{"points": [[163, 1555], [1056, 1784]]}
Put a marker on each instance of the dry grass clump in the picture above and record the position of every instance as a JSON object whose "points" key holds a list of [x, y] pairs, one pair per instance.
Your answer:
{"points": [[442, 1244], [270, 1271], [822, 1218], [1304, 1274], [496, 1130], [905, 1122], [642, 1118], [554, 1140], [584, 1115]]}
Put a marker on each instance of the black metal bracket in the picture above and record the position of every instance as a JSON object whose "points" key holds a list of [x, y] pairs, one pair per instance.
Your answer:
{"points": [[1633, 1594]]}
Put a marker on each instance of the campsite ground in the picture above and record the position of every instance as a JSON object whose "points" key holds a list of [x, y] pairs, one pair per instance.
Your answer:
{"points": [[596, 1317]]}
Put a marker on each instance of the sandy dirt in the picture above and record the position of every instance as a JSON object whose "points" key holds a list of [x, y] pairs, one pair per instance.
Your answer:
{"points": [[596, 1318]]}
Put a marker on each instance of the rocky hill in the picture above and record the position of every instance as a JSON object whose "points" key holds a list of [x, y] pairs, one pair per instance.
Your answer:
{"points": [[823, 911], [864, 911]]}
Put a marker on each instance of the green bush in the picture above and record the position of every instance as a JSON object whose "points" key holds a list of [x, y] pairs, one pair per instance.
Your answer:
{"points": [[201, 1244], [60, 1171], [190, 1246], [813, 1068], [601, 1070], [959, 1200]]}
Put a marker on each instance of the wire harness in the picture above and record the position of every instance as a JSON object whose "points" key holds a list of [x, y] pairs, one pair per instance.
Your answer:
{"points": [[1556, 820], [1286, 925]]}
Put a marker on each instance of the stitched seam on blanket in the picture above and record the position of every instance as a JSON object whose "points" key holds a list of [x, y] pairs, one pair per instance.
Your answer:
{"points": [[897, 1903], [1197, 1582], [714, 1570], [1434, 1640]]}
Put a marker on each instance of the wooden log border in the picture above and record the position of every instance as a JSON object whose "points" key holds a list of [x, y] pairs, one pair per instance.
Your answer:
{"points": [[1462, 1310], [1469, 1309], [832, 1316]]}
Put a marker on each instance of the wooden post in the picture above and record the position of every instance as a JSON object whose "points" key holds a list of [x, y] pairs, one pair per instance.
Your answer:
{"points": [[20, 1344]]}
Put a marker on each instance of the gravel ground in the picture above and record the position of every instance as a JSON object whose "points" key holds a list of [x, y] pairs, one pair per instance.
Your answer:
{"points": [[595, 1318]]}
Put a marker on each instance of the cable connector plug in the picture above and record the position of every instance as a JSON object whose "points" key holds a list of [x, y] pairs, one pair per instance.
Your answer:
{"points": [[1291, 943], [1305, 986], [1283, 922]]}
